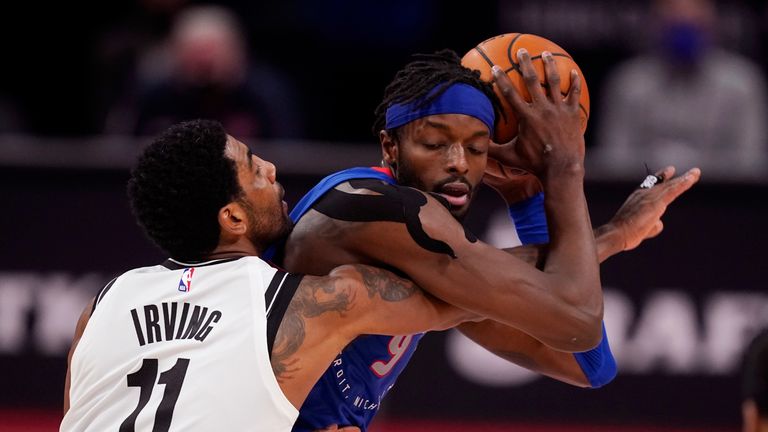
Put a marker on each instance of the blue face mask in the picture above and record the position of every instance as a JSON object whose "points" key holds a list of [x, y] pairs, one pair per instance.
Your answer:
{"points": [[684, 42]]}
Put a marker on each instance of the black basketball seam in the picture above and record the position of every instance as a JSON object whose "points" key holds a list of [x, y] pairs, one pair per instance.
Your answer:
{"points": [[516, 67], [585, 111], [553, 55], [509, 50], [483, 55]]}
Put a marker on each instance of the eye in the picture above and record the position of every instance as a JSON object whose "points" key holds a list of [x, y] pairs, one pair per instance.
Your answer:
{"points": [[476, 151], [433, 146]]}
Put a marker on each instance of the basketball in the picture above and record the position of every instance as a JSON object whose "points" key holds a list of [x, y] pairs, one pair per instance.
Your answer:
{"points": [[502, 51]]}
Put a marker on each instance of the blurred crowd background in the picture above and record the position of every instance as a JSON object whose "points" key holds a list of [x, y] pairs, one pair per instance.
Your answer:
{"points": [[672, 81], [679, 82]]}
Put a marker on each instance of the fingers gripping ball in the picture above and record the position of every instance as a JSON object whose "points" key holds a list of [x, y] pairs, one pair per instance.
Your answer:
{"points": [[502, 51]]}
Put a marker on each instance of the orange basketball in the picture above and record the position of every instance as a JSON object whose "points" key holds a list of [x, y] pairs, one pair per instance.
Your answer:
{"points": [[502, 50]]}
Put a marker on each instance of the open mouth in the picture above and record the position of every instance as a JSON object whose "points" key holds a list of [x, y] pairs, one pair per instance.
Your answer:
{"points": [[457, 194]]}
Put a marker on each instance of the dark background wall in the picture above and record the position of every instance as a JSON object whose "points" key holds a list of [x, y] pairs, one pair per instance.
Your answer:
{"points": [[679, 310]]}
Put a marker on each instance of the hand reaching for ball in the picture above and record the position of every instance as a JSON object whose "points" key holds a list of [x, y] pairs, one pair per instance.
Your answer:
{"points": [[549, 134]]}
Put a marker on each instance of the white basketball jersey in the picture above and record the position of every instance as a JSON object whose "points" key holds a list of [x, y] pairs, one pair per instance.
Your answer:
{"points": [[182, 347]]}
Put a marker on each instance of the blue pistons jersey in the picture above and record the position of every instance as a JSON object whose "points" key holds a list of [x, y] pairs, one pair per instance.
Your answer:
{"points": [[350, 392]]}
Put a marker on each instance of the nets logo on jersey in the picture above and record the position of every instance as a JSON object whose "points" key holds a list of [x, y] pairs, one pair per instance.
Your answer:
{"points": [[185, 283]]}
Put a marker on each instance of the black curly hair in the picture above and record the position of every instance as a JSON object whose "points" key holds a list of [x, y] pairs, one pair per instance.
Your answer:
{"points": [[181, 181], [420, 76]]}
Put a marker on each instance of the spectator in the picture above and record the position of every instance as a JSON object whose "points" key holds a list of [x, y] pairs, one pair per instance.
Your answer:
{"points": [[686, 103], [131, 49], [211, 75]]}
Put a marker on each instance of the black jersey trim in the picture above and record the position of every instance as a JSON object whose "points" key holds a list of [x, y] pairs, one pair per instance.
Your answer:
{"points": [[172, 264], [101, 294], [274, 285], [286, 288]]}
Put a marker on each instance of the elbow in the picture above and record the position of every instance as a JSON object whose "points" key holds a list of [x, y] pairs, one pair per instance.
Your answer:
{"points": [[584, 317], [586, 334], [598, 364], [589, 313], [576, 333]]}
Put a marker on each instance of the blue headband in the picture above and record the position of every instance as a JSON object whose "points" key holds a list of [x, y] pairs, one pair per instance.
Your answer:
{"points": [[459, 98]]}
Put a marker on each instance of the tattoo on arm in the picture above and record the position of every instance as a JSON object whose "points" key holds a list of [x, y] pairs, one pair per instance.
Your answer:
{"points": [[318, 295], [384, 283], [314, 297]]}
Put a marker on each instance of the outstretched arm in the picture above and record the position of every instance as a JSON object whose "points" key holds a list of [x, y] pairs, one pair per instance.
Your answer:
{"points": [[639, 218]]}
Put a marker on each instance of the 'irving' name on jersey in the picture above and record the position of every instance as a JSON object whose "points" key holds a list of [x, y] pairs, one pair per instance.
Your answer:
{"points": [[164, 323]]}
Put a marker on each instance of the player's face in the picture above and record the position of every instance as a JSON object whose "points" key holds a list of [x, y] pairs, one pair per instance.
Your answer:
{"points": [[268, 218], [445, 154]]}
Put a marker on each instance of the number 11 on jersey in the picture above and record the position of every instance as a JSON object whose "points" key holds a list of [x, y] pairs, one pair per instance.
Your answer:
{"points": [[144, 378]]}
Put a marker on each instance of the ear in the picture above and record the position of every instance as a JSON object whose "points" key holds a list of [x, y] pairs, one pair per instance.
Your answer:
{"points": [[232, 220], [389, 148]]}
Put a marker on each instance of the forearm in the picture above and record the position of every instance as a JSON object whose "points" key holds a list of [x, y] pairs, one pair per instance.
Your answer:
{"points": [[572, 258], [608, 241], [593, 368], [525, 351]]}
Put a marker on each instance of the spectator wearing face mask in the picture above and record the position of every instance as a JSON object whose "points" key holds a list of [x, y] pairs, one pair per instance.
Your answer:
{"points": [[685, 103], [207, 71]]}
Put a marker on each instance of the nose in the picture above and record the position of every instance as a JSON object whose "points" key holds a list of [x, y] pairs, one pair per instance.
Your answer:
{"points": [[271, 171], [456, 160]]}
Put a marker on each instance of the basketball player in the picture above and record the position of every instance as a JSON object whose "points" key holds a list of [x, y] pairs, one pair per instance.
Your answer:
{"points": [[755, 375], [214, 338], [434, 126], [177, 188]]}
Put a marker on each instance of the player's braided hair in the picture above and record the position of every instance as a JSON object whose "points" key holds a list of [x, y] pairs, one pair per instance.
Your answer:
{"points": [[181, 181], [421, 75]]}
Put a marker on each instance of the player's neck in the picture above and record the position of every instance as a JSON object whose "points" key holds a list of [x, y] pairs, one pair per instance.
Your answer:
{"points": [[234, 250]]}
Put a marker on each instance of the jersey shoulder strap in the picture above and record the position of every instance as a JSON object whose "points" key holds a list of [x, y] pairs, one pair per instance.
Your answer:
{"points": [[332, 181], [322, 187]]}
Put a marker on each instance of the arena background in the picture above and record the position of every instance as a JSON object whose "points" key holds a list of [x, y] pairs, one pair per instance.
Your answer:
{"points": [[680, 310]]}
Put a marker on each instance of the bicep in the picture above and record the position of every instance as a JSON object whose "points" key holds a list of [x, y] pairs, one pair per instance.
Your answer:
{"points": [[388, 304], [435, 251], [469, 274]]}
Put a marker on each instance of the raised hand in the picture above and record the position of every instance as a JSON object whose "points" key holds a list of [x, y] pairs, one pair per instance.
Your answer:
{"points": [[549, 126], [639, 218]]}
